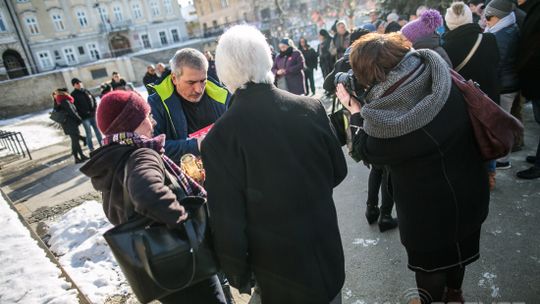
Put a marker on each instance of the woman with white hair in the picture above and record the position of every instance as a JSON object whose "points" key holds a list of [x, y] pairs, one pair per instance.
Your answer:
{"points": [[271, 163]]}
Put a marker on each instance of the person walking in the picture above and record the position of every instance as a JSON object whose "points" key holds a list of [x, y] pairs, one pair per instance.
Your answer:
{"points": [[125, 120], [460, 43], [86, 106], [415, 122], [63, 102], [186, 101], [288, 68], [150, 78], [501, 21], [275, 202], [528, 67], [326, 59], [310, 56]]}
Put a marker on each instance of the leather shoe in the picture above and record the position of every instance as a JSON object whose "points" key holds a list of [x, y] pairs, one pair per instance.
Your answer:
{"points": [[372, 213], [387, 222], [531, 173], [531, 159]]}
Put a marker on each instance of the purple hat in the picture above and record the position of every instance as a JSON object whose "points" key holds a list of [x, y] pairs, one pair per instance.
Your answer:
{"points": [[422, 27]]}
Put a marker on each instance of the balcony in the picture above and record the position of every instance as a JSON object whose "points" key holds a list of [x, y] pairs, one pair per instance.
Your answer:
{"points": [[115, 26]]}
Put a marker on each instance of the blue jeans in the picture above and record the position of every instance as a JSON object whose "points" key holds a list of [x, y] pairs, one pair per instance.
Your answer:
{"points": [[89, 124]]}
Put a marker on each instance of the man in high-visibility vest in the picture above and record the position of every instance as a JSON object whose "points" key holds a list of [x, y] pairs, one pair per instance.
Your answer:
{"points": [[185, 101]]}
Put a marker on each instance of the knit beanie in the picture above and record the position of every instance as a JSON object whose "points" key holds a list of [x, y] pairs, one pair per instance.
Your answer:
{"points": [[285, 41], [422, 27], [457, 15], [121, 111], [499, 8]]}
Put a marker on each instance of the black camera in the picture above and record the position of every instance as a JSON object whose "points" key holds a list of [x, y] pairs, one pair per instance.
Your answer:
{"points": [[348, 80]]}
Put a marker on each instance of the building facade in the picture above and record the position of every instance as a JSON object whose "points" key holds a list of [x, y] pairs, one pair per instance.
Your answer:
{"points": [[62, 33]]}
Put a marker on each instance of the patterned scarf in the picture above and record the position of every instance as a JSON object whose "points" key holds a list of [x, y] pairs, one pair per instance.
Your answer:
{"points": [[190, 187]]}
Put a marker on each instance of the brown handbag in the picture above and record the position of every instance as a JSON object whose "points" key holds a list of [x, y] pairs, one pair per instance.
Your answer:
{"points": [[494, 129]]}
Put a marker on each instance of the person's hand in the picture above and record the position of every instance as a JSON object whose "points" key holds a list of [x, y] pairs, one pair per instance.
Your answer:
{"points": [[281, 72], [346, 100]]}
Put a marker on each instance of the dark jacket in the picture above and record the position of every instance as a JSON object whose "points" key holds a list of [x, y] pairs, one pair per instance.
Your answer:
{"points": [[508, 43], [326, 60], [149, 79], [270, 178], [483, 65], [212, 72], [433, 42], [529, 52], [120, 85], [310, 56], [148, 192], [85, 103], [341, 43], [439, 181], [342, 65], [294, 70], [169, 115], [71, 126]]}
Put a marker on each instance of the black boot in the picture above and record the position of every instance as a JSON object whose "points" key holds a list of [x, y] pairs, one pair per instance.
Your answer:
{"points": [[372, 213], [78, 160], [387, 222], [83, 139]]}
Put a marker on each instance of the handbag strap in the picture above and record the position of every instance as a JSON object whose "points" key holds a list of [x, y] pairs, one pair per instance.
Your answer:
{"points": [[471, 53]]}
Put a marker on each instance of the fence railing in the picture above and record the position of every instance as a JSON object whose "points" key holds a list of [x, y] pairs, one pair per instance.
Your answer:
{"points": [[14, 142]]}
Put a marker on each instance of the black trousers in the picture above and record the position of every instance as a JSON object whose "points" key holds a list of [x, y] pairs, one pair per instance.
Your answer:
{"points": [[76, 150], [309, 80], [208, 292], [379, 179]]}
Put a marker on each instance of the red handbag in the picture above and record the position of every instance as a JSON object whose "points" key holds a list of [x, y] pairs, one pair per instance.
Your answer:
{"points": [[493, 128]]}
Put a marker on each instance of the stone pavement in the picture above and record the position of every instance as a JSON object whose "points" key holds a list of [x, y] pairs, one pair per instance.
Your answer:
{"points": [[508, 270]]}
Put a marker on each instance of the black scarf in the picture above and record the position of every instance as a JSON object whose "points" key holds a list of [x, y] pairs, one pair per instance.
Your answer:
{"points": [[287, 53]]}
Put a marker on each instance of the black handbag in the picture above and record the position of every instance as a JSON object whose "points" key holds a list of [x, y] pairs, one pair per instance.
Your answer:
{"points": [[339, 123], [58, 116], [158, 261]]}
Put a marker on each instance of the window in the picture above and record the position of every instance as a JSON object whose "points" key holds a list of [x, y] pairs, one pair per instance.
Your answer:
{"points": [[81, 17], [70, 56], [57, 55], [93, 51], [137, 13], [168, 6], [45, 60], [117, 10], [145, 41], [2, 24], [103, 14], [32, 25], [224, 3], [163, 38], [81, 50], [58, 22], [154, 8], [175, 36]]}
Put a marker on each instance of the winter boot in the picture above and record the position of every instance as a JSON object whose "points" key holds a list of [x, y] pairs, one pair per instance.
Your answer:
{"points": [[387, 222], [372, 213], [453, 296]]}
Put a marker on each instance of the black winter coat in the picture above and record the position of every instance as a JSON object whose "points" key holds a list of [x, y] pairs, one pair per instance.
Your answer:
{"points": [[147, 188], [310, 56], [85, 103], [483, 65], [508, 42], [529, 52], [149, 79], [439, 181], [71, 126], [272, 162], [326, 60]]}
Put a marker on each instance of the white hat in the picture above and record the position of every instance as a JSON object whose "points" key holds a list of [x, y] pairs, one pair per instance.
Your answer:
{"points": [[457, 15]]}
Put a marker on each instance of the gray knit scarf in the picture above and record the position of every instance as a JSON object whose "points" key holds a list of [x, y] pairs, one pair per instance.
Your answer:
{"points": [[414, 103]]}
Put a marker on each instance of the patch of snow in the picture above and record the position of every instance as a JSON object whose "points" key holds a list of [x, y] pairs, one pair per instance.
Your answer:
{"points": [[488, 281], [518, 234], [359, 302], [77, 238], [26, 274], [366, 242], [347, 294]]}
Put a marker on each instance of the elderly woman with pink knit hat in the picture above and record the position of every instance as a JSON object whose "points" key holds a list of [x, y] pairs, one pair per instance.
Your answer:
{"points": [[421, 32], [124, 119]]}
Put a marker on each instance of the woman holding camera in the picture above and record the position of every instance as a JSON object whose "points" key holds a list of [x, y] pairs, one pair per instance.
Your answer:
{"points": [[415, 122]]}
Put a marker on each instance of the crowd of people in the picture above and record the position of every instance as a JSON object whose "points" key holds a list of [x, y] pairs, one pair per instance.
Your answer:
{"points": [[272, 159]]}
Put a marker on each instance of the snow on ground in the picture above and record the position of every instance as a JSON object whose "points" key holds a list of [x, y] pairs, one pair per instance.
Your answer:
{"points": [[26, 274], [83, 252]]}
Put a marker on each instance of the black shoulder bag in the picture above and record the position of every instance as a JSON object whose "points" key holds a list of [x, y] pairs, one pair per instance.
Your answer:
{"points": [[158, 261]]}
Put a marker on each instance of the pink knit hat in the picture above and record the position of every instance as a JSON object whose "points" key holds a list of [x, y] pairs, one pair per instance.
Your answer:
{"points": [[121, 111], [422, 27]]}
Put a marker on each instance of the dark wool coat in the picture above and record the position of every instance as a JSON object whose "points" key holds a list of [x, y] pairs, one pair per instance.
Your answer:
{"points": [[272, 162], [529, 53], [508, 42], [439, 181], [294, 67], [148, 192], [71, 126], [326, 60], [483, 65], [85, 103], [150, 79], [310, 56]]}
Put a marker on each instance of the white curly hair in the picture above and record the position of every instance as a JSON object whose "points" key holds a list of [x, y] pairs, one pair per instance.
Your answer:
{"points": [[242, 56]]}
